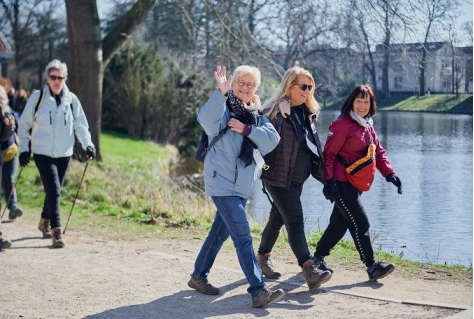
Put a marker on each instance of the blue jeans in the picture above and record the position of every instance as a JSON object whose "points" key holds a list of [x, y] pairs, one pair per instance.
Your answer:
{"points": [[9, 170], [230, 220]]}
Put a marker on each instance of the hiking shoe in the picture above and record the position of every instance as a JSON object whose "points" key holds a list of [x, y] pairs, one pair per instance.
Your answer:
{"points": [[314, 276], [57, 237], [321, 264], [266, 296], [379, 270], [14, 213], [267, 267], [5, 243], [45, 227], [202, 285]]}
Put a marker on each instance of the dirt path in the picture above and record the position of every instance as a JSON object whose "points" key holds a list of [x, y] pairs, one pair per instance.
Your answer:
{"points": [[98, 278]]}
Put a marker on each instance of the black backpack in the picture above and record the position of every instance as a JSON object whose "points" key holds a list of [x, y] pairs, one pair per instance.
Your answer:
{"points": [[204, 146]]}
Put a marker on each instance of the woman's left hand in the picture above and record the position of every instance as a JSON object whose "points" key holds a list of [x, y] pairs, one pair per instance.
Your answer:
{"points": [[235, 125]]}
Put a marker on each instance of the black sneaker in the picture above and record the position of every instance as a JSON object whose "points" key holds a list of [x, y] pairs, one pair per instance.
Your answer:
{"points": [[5, 243], [379, 270], [321, 264], [14, 213]]}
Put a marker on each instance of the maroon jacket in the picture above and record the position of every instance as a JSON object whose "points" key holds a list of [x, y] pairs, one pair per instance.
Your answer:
{"points": [[350, 140]]}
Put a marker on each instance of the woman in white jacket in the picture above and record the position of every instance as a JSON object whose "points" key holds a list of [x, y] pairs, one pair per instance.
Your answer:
{"points": [[53, 115]]}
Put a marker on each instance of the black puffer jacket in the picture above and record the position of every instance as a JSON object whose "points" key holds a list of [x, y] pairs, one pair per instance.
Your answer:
{"points": [[282, 159]]}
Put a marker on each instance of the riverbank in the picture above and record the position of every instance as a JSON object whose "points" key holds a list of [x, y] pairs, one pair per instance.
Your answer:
{"points": [[128, 277]]}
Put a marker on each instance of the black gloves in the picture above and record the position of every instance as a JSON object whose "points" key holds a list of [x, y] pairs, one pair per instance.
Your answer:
{"points": [[90, 152], [330, 190], [395, 180], [24, 158]]}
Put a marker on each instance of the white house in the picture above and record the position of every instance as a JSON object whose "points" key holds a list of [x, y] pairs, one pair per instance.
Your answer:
{"points": [[440, 76]]}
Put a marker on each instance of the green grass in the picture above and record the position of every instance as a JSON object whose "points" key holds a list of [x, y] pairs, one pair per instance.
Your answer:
{"points": [[441, 103], [129, 195]]}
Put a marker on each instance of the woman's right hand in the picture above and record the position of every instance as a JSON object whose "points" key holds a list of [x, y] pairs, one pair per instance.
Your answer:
{"points": [[223, 82]]}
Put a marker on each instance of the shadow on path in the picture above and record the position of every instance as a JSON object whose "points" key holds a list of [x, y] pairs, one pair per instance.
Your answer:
{"points": [[193, 304]]}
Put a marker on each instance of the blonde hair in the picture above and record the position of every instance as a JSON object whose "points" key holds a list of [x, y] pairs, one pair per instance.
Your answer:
{"points": [[290, 78], [56, 65], [242, 70], [4, 99]]}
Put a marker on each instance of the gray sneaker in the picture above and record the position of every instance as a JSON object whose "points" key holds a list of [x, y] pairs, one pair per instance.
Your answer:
{"points": [[5, 243], [202, 285], [266, 296], [379, 270], [267, 267], [14, 213], [314, 276]]}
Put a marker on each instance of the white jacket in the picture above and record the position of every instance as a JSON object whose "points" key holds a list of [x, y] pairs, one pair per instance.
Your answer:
{"points": [[53, 127]]}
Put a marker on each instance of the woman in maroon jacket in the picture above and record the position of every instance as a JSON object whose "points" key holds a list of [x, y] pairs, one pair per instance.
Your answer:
{"points": [[348, 140]]}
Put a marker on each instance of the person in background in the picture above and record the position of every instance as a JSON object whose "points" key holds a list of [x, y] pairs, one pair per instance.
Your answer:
{"points": [[10, 154], [231, 168], [349, 137], [7, 125], [292, 110], [53, 125], [20, 102]]}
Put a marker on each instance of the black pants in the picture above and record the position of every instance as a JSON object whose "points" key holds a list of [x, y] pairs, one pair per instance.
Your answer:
{"points": [[286, 210], [52, 172], [348, 213]]}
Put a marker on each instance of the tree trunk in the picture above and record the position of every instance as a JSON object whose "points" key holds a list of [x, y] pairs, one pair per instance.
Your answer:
{"points": [[89, 54], [85, 61], [386, 56]]}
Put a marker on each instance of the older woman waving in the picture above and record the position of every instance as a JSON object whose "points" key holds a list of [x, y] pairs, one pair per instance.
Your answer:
{"points": [[231, 168]]}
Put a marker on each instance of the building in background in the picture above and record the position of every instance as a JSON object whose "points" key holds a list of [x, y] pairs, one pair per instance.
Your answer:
{"points": [[448, 69], [6, 54]]}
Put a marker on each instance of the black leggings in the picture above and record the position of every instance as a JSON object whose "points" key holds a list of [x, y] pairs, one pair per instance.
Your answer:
{"points": [[52, 172], [348, 213], [286, 210]]}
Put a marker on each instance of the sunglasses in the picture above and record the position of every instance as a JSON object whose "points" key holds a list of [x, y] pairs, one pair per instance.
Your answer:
{"points": [[249, 85], [55, 77], [305, 87]]}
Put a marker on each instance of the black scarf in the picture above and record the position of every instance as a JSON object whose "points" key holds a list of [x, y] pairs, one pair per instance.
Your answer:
{"points": [[245, 116]]}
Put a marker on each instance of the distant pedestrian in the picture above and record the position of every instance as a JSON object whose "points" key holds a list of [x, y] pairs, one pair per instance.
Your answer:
{"points": [[58, 118], [7, 126], [351, 154], [231, 168], [10, 154], [20, 102]]}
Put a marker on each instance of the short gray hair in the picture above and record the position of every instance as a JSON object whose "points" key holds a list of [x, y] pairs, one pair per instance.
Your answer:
{"points": [[242, 70], [56, 65]]}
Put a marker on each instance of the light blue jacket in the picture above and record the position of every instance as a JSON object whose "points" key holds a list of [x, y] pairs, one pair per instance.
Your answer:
{"points": [[53, 126], [224, 172]]}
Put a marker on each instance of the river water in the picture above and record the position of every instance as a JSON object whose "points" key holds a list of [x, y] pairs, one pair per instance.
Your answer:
{"points": [[432, 220]]}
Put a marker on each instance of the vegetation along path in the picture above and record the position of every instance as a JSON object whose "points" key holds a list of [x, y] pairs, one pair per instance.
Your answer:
{"points": [[99, 277]]}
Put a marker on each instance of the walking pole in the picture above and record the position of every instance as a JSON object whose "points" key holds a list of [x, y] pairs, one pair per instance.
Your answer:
{"points": [[12, 191], [77, 193]]}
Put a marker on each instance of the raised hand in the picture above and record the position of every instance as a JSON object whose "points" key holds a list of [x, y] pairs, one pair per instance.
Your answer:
{"points": [[223, 82]]}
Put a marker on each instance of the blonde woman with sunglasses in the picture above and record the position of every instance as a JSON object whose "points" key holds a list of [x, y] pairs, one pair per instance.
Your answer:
{"points": [[293, 111], [53, 115]]}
